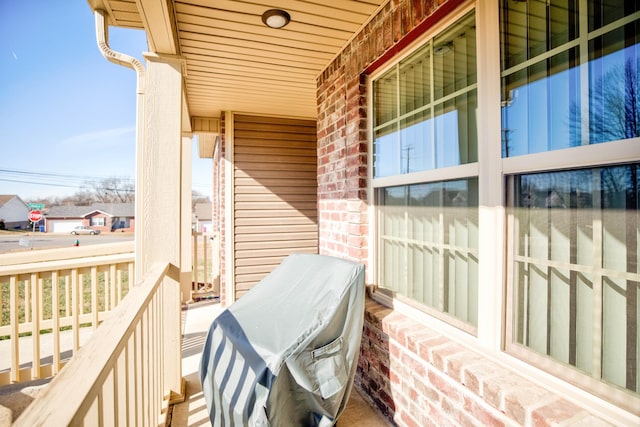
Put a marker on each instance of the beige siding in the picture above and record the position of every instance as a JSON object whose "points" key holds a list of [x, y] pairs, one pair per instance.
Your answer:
{"points": [[275, 201]]}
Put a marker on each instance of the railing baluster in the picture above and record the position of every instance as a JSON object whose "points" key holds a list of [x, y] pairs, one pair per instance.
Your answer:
{"points": [[139, 376], [194, 258], [160, 341], [81, 292], [94, 297], [153, 372], [75, 308], [55, 318], [27, 302], [205, 257], [119, 285], [128, 386], [131, 276], [15, 342], [108, 410], [146, 348], [112, 287], [67, 294], [103, 275], [35, 326]]}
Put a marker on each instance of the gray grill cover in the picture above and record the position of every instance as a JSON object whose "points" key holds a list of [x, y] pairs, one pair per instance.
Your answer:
{"points": [[285, 353]]}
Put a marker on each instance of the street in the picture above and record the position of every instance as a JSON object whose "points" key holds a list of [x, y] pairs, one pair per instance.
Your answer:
{"points": [[10, 241]]}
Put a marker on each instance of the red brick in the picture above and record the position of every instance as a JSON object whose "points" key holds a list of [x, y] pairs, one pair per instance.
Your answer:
{"points": [[476, 377], [390, 319], [394, 350], [440, 354], [426, 346], [417, 9], [419, 335], [403, 330], [397, 24], [458, 362], [388, 400], [446, 386], [426, 390], [519, 397], [555, 413], [416, 367], [408, 420], [486, 415]]}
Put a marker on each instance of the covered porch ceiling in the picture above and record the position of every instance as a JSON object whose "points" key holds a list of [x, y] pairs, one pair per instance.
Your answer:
{"points": [[234, 62]]}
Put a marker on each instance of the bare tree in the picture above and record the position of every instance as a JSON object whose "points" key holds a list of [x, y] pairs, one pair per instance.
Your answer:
{"points": [[615, 104], [197, 197], [112, 190], [80, 198]]}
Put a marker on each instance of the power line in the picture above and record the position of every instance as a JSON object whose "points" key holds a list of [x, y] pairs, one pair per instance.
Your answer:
{"points": [[34, 174], [40, 183], [52, 179]]}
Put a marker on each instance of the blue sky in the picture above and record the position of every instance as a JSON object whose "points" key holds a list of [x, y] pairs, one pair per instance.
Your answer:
{"points": [[67, 115]]}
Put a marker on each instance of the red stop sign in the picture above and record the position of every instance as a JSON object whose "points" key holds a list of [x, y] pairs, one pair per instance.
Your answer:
{"points": [[35, 216]]}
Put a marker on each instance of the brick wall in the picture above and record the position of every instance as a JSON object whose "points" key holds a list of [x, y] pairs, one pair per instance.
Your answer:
{"points": [[342, 123], [419, 377], [413, 375]]}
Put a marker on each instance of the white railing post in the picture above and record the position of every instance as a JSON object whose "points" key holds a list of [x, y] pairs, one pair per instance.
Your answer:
{"points": [[161, 227]]}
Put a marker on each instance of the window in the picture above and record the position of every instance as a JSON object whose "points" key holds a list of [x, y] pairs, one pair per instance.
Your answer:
{"points": [[425, 138], [566, 168], [97, 222], [566, 82], [571, 81], [575, 269]]}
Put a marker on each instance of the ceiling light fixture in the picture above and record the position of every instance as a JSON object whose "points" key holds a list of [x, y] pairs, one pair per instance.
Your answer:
{"points": [[275, 18], [443, 49]]}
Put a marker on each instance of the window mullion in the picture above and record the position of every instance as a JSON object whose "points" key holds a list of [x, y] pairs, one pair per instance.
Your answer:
{"points": [[431, 111], [583, 42], [598, 277]]}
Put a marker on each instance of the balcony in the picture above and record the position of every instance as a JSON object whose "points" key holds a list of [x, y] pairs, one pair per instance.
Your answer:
{"points": [[125, 357]]}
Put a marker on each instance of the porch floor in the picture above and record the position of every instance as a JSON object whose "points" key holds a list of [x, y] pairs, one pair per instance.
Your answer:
{"points": [[196, 319]]}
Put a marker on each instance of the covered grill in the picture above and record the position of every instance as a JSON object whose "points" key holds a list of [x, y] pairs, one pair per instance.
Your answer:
{"points": [[285, 353]]}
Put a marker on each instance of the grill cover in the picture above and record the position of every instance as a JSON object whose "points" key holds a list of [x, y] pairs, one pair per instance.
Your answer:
{"points": [[285, 353]]}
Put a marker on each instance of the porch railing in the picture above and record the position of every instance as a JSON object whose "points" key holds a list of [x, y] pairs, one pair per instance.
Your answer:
{"points": [[57, 291], [205, 273], [117, 377]]}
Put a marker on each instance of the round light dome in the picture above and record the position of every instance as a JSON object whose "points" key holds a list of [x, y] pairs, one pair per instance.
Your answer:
{"points": [[275, 18]]}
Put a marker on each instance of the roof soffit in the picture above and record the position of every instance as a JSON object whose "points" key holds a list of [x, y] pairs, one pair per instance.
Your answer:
{"points": [[233, 62]]}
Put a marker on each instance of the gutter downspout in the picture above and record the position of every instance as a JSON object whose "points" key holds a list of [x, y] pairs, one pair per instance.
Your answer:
{"points": [[102, 37]]}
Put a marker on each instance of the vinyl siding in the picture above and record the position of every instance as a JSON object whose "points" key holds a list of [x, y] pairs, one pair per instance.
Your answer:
{"points": [[275, 200]]}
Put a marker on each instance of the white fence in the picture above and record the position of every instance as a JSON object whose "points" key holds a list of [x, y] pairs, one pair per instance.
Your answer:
{"points": [[47, 293], [117, 378]]}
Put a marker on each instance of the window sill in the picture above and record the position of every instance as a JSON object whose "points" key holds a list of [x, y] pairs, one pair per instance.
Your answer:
{"points": [[405, 361]]}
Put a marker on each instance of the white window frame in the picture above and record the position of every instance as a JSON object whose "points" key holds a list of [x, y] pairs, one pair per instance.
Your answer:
{"points": [[494, 314], [98, 221], [589, 156], [457, 172]]}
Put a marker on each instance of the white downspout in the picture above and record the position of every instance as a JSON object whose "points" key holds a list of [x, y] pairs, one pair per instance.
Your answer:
{"points": [[102, 37]]}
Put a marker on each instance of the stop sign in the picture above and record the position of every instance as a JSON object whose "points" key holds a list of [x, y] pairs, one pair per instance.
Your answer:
{"points": [[35, 216]]}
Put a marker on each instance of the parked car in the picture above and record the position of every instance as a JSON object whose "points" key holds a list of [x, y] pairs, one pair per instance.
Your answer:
{"points": [[83, 229]]}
